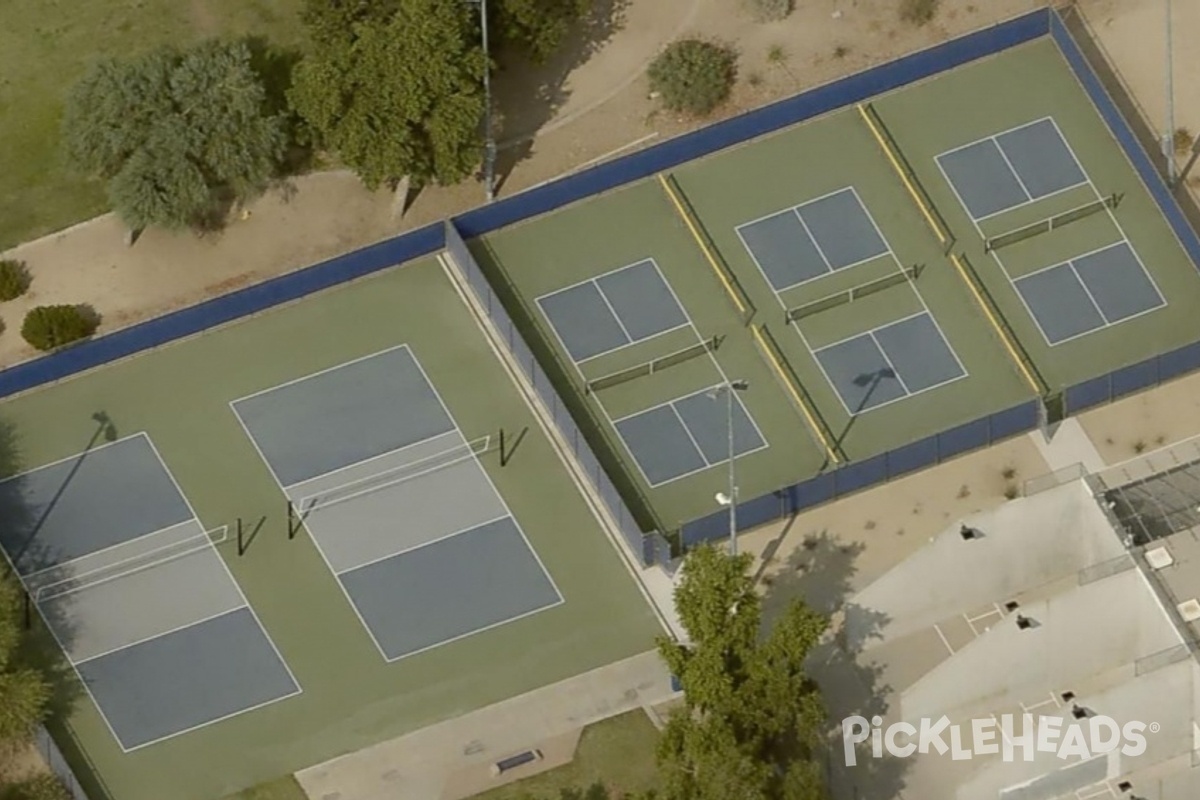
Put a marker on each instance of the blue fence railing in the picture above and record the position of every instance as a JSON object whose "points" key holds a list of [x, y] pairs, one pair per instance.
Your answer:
{"points": [[1131, 379], [649, 548], [424, 241], [860, 475]]}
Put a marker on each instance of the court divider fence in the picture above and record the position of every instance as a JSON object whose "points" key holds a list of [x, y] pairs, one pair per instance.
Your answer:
{"points": [[651, 547], [859, 475]]}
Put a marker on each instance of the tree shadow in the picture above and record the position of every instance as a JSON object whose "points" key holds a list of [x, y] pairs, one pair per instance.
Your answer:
{"points": [[819, 572], [526, 95]]}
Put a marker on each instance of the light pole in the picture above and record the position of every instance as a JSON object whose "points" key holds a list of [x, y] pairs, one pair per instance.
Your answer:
{"points": [[730, 500], [489, 144], [1169, 136]]}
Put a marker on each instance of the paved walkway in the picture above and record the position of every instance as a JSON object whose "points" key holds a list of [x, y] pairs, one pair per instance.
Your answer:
{"points": [[1069, 445], [417, 766]]}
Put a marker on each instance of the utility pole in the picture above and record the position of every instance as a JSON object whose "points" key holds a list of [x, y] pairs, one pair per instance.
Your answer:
{"points": [[1169, 134]]}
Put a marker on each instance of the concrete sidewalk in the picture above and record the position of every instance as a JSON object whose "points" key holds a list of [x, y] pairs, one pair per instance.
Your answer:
{"points": [[417, 766]]}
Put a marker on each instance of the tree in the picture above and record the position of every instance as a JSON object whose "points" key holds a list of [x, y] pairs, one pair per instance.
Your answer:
{"points": [[395, 95], [24, 692], [538, 26], [693, 75], [751, 725], [176, 134]]}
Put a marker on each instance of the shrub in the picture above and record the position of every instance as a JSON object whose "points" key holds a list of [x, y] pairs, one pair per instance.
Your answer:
{"points": [[47, 327], [918, 12], [1183, 141], [14, 279], [770, 10], [693, 75], [43, 787]]}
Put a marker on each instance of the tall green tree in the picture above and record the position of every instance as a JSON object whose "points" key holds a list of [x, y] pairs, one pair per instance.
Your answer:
{"points": [[751, 727], [539, 27], [177, 134], [395, 94], [24, 691]]}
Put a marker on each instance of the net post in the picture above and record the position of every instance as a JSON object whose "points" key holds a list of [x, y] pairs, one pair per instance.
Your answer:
{"points": [[241, 542], [291, 520], [503, 448]]}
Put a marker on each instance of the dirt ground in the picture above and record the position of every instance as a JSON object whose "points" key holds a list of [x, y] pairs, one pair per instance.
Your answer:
{"points": [[591, 103]]}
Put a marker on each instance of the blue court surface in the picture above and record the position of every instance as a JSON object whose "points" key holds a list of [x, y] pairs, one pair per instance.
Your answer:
{"points": [[613, 310], [688, 434], [134, 590], [802, 243], [1011, 169], [1088, 293], [889, 363], [398, 502]]}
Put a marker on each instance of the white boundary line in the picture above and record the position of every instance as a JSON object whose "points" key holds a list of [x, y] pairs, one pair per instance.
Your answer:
{"points": [[829, 268], [1012, 168], [942, 636], [318, 373], [28, 575], [315, 502], [879, 348], [146, 639], [890, 365], [324, 557], [87, 687], [451, 535], [199, 548], [74, 457], [724, 381], [595, 282], [589, 493], [771, 284], [1013, 282], [299, 484]]}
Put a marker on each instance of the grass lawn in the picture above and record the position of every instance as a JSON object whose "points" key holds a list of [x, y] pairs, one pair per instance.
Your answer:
{"points": [[45, 46], [281, 789], [617, 752]]}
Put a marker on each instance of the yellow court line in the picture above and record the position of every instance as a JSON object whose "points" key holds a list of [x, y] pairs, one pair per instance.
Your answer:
{"points": [[908, 184], [1008, 345], [712, 261], [808, 414]]}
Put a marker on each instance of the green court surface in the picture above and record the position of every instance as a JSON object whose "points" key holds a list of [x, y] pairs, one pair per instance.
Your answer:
{"points": [[618, 229], [991, 353], [180, 394], [1029, 83]]}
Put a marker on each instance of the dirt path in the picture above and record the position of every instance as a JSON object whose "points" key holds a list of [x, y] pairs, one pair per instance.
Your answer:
{"points": [[589, 105]]}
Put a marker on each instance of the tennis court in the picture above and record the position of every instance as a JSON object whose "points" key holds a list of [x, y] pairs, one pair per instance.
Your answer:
{"points": [[133, 589], [603, 314], [398, 503], [818, 237], [1085, 292], [1012, 168], [879, 362]]}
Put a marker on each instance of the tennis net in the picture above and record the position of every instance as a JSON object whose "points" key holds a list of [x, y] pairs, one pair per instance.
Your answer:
{"points": [[853, 293], [1050, 223], [390, 477], [652, 366], [153, 557]]}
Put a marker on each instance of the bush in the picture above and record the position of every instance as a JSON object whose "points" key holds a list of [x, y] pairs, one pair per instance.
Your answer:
{"points": [[918, 12], [14, 279], [43, 787], [770, 10], [693, 75], [47, 327], [1183, 141]]}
